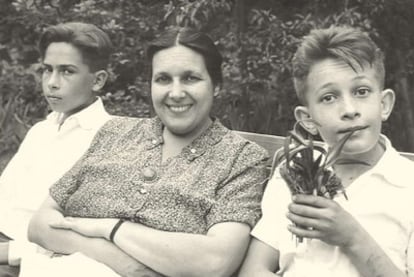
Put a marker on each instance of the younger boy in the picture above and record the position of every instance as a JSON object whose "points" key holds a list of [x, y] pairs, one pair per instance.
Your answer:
{"points": [[339, 78], [74, 59]]}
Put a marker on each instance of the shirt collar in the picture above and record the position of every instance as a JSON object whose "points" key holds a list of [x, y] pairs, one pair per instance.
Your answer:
{"points": [[212, 135], [86, 118], [392, 166]]}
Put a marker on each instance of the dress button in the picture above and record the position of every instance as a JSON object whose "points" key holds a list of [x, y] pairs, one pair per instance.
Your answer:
{"points": [[149, 174], [154, 141], [192, 150], [143, 191]]}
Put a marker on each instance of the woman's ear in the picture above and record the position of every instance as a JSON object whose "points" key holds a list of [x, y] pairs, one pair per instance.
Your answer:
{"points": [[303, 117], [387, 103], [100, 79]]}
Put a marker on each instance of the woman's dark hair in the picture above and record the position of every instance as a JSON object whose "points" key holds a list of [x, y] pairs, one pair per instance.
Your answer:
{"points": [[196, 41], [92, 42]]}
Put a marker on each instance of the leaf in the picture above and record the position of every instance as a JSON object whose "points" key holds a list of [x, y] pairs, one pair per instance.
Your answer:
{"points": [[334, 153], [287, 150], [277, 160], [298, 138], [351, 161]]}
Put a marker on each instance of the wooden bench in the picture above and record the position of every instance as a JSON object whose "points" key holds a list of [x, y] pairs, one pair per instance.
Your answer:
{"points": [[272, 143]]}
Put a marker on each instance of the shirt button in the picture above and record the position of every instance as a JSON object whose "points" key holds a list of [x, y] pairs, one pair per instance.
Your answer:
{"points": [[154, 141], [192, 150], [143, 191]]}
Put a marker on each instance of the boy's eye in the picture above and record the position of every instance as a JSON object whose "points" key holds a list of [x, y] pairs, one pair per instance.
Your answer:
{"points": [[67, 71], [328, 98], [362, 91], [44, 70]]}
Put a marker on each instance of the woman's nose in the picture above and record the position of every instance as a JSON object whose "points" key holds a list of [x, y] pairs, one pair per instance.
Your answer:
{"points": [[177, 90]]}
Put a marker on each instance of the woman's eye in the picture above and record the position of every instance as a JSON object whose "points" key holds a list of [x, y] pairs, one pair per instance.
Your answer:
{"points": [[162, 79], [191, 78]]}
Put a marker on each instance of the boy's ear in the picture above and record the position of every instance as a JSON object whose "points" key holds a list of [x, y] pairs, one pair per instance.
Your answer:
{"points": [[100, 79], [302, 115], [387, 103]]}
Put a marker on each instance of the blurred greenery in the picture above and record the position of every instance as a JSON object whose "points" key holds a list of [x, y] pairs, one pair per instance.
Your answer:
{"points": [[257, 39]]}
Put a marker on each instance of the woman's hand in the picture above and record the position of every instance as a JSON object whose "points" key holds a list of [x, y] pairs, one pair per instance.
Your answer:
{"points": [[90, 227], [323, 219]]}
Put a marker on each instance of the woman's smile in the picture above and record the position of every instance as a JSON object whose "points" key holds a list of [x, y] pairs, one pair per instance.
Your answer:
{"points": [[179, 108]]}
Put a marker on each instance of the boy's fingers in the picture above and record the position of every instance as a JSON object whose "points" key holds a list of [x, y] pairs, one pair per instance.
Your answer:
{"points": [[304, 233], [316, 201], [302, 221], [304, 210]]}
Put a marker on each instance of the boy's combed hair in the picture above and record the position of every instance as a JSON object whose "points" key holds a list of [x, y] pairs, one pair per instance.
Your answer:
{"points": [[195, 40], [93, 43], [347, 44]]}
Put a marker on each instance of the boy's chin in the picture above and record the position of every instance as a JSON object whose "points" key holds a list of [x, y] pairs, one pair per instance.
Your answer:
{"points": [[360, 150]]}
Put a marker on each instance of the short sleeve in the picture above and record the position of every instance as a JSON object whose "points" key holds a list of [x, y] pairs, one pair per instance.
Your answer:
{"points": [[272, 226], [70, 181], [67, 185], [410, 254], [239, 197]]}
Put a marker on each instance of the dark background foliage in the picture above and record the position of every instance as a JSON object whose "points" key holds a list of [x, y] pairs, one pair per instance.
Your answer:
{"points": [[256, 37]]}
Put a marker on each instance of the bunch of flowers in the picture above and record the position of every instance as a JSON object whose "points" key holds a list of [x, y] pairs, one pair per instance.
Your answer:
{"points": [[306, 166]]}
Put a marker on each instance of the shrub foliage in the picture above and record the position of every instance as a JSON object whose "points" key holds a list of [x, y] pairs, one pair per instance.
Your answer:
{"points": [[257, 39]]}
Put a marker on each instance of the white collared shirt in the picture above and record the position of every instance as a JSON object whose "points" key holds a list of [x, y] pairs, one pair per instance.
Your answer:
{"points": [[381, 200], [49, 149]]}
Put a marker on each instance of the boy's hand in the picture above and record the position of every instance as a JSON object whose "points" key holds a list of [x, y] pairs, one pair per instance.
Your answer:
{"points": [[4, 253], [323, 219]]}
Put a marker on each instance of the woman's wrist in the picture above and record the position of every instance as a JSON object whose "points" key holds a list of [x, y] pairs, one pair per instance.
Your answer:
{"points": [[115, 230]]}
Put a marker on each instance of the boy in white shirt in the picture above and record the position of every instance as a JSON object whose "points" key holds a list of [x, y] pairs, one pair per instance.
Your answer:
{"points": [[74, 60], [339, 78]]}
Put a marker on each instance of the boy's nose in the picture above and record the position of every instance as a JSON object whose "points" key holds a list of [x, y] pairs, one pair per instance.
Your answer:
{"points": [[53, 81], [349, 109]]}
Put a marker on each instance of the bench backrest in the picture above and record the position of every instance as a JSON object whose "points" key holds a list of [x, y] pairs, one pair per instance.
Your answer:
{"points": [[272, 143]]}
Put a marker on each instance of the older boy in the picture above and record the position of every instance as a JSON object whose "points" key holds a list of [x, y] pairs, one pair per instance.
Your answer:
{"points": [[74, 59], [339, 78]]}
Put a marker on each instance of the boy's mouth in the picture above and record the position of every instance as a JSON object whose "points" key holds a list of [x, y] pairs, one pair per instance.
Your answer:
{"points": [[352, 129], [53, 97]]}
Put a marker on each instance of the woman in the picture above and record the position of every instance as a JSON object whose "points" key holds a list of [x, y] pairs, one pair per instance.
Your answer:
{"points": [[187, 189]]}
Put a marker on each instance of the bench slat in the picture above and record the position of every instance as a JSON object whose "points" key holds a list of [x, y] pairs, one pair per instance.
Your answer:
{"points": [[272, 142]]}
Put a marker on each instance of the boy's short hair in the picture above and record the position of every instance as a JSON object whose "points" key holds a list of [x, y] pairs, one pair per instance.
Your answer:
{"points": [[195, 40], [92, 42], [347, 44]]}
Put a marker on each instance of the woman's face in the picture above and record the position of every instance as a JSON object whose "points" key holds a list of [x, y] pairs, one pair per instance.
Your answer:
{"points": [[182, 90]]}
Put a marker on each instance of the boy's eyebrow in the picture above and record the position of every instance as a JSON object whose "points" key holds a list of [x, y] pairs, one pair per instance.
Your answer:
{"points": [[330, 84], [327, 85], [359, 77], [60, 65]]}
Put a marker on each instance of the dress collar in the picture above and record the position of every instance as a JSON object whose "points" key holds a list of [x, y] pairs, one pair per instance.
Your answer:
{"points": [[212, 135]]}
